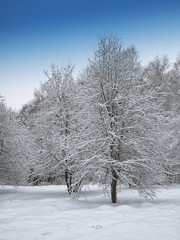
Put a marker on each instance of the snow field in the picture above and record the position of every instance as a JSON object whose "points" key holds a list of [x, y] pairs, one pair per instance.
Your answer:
{"points": [[47, 212]]}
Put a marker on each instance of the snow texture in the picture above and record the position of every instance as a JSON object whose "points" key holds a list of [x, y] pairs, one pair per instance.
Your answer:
{"points": [[48, 213]]}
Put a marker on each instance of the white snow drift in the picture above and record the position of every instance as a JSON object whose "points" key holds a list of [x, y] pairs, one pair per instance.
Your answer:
{"points": [[48, 213]]}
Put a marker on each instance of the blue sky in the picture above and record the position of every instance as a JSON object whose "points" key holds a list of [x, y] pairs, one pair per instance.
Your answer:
{"points": [[36, 33]]}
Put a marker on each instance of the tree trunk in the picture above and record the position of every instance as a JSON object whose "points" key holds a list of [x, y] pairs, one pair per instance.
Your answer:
{"points": [[114, 187], [76, 186], [68, 180]]}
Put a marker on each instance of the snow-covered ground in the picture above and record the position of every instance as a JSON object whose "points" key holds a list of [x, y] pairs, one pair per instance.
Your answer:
{"points": [[46, 212]]}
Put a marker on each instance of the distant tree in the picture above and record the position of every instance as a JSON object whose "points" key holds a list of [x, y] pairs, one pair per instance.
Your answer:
{"points": [[15, 148], [174, 104], [52, 118], [161, 75]]}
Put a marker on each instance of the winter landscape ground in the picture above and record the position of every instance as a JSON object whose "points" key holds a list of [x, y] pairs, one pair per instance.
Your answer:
{"points": [[46, 212]]}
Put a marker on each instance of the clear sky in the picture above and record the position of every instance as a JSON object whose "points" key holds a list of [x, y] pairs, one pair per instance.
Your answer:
{"points": [[36, 33]]}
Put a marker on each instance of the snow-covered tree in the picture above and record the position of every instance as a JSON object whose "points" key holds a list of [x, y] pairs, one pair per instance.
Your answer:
{"points": [[52, 118], [174, 103], [126, 134], [15, 148], [162, 76]]}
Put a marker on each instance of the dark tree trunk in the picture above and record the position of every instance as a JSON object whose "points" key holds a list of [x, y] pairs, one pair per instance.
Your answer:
{"points": [[68, 180], [114, 187]]}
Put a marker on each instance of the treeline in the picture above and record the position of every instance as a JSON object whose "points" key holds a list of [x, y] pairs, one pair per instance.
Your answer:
{"points": [[116, 124]]}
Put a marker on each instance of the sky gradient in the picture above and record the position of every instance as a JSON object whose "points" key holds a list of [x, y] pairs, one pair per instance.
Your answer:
{"points": [[36, 33]]}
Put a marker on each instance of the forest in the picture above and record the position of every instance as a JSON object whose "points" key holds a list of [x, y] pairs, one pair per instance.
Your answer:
{"points": [[116, 124]]}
